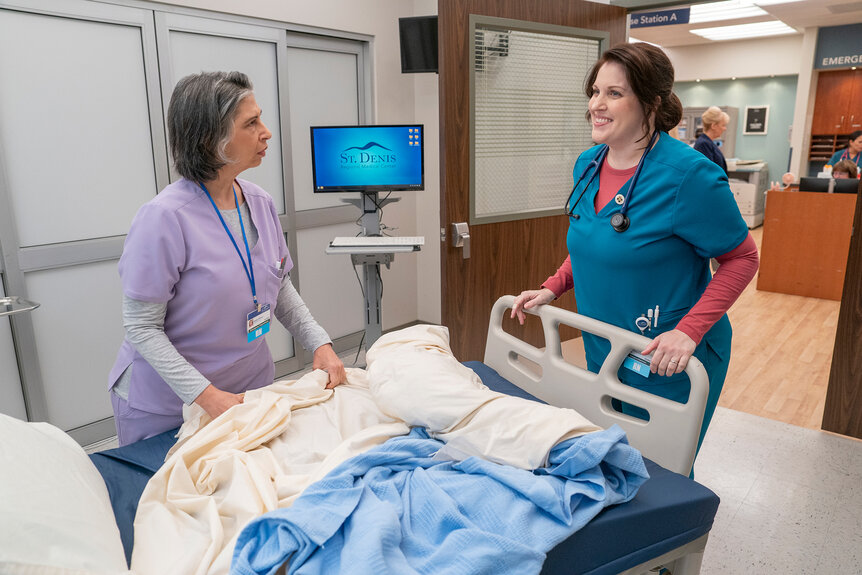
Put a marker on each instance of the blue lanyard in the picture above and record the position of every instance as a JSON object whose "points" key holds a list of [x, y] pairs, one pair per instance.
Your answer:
{"points": [[249, 269]]}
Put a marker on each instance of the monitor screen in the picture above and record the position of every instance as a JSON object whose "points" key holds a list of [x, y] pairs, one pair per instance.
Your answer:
{"points": [[367, 158], [814, 184], [846, 186]]}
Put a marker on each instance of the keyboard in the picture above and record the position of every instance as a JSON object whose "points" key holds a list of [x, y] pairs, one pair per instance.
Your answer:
{"points": [[373, 241]]}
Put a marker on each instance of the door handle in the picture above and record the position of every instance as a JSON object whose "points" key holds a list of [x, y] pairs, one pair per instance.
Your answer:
{"points": [[461, 238], [13, 305]]}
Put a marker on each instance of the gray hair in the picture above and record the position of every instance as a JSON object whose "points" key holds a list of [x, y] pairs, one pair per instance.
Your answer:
{"points": [[200, 121]]}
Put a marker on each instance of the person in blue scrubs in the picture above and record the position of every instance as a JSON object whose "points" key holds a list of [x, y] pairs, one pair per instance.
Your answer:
{"points": [[852, 152], [714, 125], [650, 245]]}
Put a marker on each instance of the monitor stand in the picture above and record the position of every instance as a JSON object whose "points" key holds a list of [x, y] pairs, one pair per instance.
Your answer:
{"points": [[369, 204]]}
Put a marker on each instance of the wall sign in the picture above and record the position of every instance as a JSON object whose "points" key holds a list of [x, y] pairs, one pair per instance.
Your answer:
{"points": [[756, 120], [838, 47], [659, 18]]}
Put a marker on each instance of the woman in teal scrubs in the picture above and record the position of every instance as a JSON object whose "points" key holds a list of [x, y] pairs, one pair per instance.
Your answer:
{"points": [[643, 243], [852, 152]]}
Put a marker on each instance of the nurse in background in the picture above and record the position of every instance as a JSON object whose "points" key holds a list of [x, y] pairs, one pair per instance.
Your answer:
{"points": [[714, 125], [681, 213], [852, 152], [204, 268]]}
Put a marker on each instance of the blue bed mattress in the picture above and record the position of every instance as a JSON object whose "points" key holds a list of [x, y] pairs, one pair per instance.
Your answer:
{"points": [[669, 510], [126, 471]]}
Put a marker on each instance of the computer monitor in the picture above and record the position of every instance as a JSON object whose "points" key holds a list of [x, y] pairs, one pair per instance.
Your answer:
{"points": [[846, 186], [814, 184], [367, 158]]}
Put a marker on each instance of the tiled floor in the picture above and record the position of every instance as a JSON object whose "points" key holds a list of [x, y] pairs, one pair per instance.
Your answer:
{"points": [[791, 498]]}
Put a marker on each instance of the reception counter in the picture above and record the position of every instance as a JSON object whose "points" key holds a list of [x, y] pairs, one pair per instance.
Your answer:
{"points": [[806, 239]]}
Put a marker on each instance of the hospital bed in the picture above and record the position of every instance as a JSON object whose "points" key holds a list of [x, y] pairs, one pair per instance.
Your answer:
{"points": [[668, 521]]}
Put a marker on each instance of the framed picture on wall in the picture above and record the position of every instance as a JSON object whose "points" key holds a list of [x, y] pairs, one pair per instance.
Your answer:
{"points": [[756, 120]]}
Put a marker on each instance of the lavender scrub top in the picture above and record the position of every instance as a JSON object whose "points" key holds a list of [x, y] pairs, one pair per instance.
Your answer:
{"points": [[177, 252]]}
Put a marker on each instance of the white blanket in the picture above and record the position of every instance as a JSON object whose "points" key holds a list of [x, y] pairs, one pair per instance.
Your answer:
{"points": [[262, 454]]}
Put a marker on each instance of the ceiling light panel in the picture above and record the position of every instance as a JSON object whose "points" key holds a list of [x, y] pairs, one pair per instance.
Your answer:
{"points": [[773, 2], [728, 10], [742, 31]]}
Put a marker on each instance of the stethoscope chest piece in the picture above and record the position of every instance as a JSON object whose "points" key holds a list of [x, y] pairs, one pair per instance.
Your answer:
{"points": [[620, 222]]}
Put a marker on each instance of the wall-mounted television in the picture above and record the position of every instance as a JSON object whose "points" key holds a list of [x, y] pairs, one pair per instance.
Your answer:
{"points": [[368, 158], [418, 36]]}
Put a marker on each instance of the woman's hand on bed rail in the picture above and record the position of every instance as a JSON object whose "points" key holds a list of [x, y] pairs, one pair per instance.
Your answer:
{"points": [[326, 359], [215, 401], [671, 352], [529, 299]]}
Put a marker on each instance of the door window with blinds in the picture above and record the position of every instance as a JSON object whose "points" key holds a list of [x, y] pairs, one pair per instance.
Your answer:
{"points": [[527, 121]]}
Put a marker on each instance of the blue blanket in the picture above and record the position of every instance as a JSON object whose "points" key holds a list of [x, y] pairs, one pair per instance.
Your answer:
{"points": [[395, 509]]}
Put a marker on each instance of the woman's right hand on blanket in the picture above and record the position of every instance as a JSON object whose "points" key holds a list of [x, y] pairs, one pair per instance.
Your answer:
{"points": [[215, 401], [530, 299]]}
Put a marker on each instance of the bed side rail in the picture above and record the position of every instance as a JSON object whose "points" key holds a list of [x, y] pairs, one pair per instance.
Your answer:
{"points": [[669, 437]]}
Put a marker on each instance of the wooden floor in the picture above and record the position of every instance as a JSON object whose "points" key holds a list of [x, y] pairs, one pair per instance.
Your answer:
{"points": [[780, 358], [781, 355]]}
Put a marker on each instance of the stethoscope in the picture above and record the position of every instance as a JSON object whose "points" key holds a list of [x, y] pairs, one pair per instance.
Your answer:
{"points": [[619, 220], [846, 156]]}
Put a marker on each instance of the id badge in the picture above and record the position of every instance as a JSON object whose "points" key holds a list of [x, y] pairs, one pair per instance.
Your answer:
{"points": [[637, 363], [257, 323]]}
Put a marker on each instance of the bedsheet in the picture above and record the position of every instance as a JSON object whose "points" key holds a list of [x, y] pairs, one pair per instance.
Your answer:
{"points": [[261, 455], [399, 510]]}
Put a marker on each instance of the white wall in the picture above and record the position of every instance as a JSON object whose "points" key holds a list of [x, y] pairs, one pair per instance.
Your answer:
{"points": [[779, 56], [427, 100], [393, 103]]}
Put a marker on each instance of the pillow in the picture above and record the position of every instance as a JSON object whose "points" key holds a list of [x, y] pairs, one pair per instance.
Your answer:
{"points": [[55, 514]]}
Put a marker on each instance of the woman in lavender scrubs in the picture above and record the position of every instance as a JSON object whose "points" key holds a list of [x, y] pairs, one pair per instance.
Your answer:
{"points": [[204, 266]]}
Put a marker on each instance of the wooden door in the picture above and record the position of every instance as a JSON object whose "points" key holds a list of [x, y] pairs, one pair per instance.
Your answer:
{"points": [[506, 257], [832, 102]]}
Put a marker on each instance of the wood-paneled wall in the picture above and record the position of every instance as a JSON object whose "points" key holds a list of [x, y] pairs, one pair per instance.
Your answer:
{"points": [[806, 237]]}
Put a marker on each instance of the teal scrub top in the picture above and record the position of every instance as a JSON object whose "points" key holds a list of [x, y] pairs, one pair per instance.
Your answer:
{"points": [[682, 214], [845, 155]]}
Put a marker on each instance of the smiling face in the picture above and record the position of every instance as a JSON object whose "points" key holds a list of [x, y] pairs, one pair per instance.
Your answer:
{"points": [[248, 142], [855, 146], [615, 111]]}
